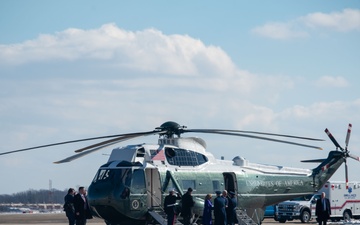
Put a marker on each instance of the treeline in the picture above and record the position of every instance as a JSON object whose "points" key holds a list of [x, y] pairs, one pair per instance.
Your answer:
{"points": [[35, 197]]}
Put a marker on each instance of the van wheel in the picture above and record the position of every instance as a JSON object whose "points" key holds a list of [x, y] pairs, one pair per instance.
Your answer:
{"points": [[276, 218], [305, 216], [347, 215]]}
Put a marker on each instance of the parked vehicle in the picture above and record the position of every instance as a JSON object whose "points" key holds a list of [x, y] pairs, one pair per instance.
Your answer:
{"points": [[271, 212], [344, 203]]}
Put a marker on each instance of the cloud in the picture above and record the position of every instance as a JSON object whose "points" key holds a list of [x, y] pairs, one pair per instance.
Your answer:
{"points": [[345, 21], [148, 50], [279, 31], [329, 81], [327, 111], [82, 83], [116, 63]]}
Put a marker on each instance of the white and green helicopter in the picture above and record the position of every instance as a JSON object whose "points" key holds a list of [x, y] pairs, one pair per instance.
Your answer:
{"points": [[135, 180]]}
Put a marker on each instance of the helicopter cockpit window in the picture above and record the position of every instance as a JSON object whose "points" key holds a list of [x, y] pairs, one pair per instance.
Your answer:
{"points": [[183, 157], [102, 175], [138, 182]]}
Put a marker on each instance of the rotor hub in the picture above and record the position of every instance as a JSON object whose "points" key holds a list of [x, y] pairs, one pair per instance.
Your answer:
{"points": [[171, 129]]}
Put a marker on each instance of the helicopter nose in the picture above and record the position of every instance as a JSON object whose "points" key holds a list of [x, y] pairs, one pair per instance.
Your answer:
{"points": [[106, 206]]}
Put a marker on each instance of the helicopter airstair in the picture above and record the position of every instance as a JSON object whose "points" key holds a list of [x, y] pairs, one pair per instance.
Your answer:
{"points": [[160, 217], [243, 218], [156, 211], [158, 214]]}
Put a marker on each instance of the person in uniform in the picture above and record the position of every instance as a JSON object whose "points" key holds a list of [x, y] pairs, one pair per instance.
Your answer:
{"points": [[219, 209], [231, 209], [187, 203], [207, 213], [323, 210], [169, 206]]}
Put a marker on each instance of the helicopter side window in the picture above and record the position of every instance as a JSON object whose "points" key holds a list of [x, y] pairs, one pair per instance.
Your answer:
{"points": [[183, 157], [138, 182], [201, 158], [188, 183], [216, 185]]}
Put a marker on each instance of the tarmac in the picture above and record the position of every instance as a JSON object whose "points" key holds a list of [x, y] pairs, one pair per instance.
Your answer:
{"points": [[41, 218], [60, 219]]}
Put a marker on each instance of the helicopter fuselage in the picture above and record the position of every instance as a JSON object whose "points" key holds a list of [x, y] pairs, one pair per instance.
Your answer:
{"points": [[136, 179]]}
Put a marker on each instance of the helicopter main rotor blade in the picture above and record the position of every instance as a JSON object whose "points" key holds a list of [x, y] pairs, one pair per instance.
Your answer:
{"points": [[99, 146], [252, 132], [59, 143], [82, 154], [348, 136], [125, 136], [257, 137], [333, 139], [313, 160]]}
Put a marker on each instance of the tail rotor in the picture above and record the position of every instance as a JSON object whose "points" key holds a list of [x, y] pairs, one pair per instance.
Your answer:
{"points": [[348, 136], [345, 151]]}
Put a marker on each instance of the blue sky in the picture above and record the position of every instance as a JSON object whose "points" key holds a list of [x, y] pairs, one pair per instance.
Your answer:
{"points": [[72, 70]]}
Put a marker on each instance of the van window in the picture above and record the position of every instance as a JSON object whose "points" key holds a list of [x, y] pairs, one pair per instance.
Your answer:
{"points": [[302, 198]]}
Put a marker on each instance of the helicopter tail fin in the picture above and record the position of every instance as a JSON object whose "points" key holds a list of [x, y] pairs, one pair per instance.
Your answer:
{"points": [[327, 167]]}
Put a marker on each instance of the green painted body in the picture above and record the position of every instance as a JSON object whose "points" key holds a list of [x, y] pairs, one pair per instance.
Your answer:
{"points": [[156, 168]]}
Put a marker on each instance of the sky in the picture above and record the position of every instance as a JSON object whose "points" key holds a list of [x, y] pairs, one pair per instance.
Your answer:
{"points": [[77, 69]]}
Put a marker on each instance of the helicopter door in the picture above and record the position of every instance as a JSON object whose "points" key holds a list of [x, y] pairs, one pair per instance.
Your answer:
{"points": [[153, 187], [230, 182]]}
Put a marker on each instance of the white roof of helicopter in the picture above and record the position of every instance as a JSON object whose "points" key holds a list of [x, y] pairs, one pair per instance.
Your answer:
{"points": [[153, 155]]}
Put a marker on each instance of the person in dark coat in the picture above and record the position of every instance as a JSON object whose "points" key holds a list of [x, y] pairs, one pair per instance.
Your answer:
{"points": [[219, 209], [187, 203], [207, 213], [226, 197], [231, 209], [69, 206], [169, 206], [323, 210], [82, 207]]}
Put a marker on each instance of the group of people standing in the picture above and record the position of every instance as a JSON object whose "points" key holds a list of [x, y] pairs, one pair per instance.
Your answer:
{"points": [[77, 207], [186, 209], [224, 208]]}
